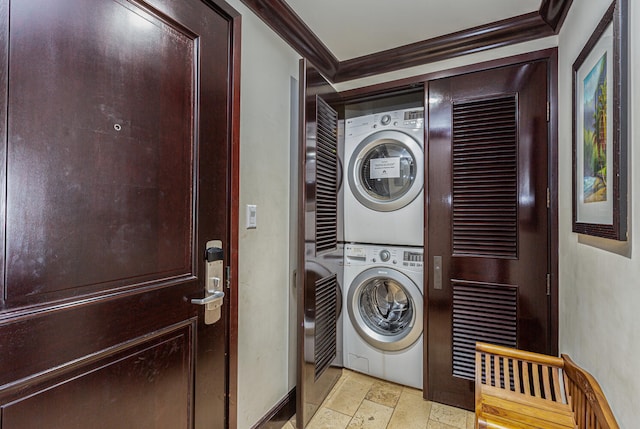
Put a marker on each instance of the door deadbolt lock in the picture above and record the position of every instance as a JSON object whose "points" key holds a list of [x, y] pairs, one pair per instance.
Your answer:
{"points": [[214, 272]]}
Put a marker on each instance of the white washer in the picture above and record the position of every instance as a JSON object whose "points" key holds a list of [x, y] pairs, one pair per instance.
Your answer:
{"points": [[384, 165], [383, 309]]}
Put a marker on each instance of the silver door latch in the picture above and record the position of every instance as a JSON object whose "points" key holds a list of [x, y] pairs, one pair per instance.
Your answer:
{"points": [[214, 272]]}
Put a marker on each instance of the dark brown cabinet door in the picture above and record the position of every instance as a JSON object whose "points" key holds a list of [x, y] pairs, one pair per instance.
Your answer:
{"points": [[115, 165], [488, 221], [320, 254]]}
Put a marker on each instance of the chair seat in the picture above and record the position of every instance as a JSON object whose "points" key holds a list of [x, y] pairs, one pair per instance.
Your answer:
{"points": [[520, 411]]}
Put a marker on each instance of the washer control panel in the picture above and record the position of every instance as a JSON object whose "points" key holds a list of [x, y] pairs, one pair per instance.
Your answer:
{"points": [[402, 257], [413, 259]]}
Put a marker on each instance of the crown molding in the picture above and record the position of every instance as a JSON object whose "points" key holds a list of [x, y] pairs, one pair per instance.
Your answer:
{"points": [[278, 15], [553, 12], [496, 34]]}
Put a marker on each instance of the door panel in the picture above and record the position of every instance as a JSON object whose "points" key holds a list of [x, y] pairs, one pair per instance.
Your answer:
{"points": [[114, 185], [488, 221], [159, 388], [319, 252]]}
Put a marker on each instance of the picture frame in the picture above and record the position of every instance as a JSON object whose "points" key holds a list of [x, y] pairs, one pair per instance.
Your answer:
{"points": [[600, 79]]}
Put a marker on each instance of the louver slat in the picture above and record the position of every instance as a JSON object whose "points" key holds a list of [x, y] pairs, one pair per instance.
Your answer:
{"points": [[481, 312], [325, 324], [326, 177], [485, 178]]}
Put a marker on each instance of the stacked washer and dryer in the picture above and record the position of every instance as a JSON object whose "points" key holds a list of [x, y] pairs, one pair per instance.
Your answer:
{"points": [[383, 217]]}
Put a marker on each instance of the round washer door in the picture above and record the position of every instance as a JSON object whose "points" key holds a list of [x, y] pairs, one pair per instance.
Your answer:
{"points": [[386, 171], [385, 308]]}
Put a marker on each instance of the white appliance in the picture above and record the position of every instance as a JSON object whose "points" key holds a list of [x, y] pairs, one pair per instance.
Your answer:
{"points": [[383, 312], [384, 163]]}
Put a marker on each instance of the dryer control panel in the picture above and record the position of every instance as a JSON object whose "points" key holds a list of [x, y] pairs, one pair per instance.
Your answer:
{"points": [[411, 120]]}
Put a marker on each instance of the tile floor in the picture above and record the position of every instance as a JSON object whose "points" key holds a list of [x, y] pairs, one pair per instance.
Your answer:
{"points": [[359, 401]]}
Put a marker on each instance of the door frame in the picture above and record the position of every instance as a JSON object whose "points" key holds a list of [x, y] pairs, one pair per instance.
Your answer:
{"points": [[233, 203], [551, 57]]}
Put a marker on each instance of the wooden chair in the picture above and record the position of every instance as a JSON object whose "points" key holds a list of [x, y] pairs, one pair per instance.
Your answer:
{"points": [[518, 389]]}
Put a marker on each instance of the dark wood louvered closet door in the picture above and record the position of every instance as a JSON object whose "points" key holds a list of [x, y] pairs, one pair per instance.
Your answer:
{"points": [[488, 221], [319, 252]]}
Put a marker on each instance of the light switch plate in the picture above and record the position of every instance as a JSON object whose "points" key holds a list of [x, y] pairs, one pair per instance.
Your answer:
{"points": [[252, 211]]}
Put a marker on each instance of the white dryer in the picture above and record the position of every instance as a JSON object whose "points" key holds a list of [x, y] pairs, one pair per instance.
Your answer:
{"points": [[383, 306], [384, 163]]}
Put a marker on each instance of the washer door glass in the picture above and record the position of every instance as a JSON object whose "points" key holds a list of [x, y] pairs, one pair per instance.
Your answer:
{"points": [[386, 171], [385, 306], [386, 310]]}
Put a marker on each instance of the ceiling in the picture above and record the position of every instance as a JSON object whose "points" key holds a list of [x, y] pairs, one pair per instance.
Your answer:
{"points": [[354, 28], [352, 39]]}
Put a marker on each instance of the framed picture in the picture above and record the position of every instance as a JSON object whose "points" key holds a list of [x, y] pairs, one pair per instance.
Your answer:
{"points": [[600, 129]]}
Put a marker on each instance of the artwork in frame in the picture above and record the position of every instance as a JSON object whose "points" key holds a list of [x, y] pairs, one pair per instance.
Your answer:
{"points": [[600, 129]]}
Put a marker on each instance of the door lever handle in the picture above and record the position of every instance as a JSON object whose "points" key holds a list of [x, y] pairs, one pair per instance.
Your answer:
{"points": [[209, 299], [213, 275]]}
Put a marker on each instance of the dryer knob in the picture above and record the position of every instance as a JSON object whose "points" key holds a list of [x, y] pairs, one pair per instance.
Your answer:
{"points": [[386, 119], [385, 255]]}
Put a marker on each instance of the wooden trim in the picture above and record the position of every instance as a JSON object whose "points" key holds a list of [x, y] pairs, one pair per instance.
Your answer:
{"points": [[553, 12], [280, 414], [233, 202], [426, 329], [553, 203], [278, 15], [300, 265], [494, 35], [415, 82]]}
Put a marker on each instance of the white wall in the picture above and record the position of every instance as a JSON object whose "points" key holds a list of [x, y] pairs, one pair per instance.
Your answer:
{"points": [[600, 291], [264, 275]]}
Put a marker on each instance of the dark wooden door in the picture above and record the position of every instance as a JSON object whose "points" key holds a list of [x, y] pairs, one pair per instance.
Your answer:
{"points": [[115, 173], [488, 221], [320, 254]]}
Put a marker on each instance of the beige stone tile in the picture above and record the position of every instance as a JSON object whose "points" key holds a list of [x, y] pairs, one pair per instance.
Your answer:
{"points": [[292, 421], [326, 418], [359, 377], [335, 388], [448, 415], [412, 391], [471, 420], [348, 396], [371, 416], [437, 425], [412, 412], [288, 425], [384, 393]]}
